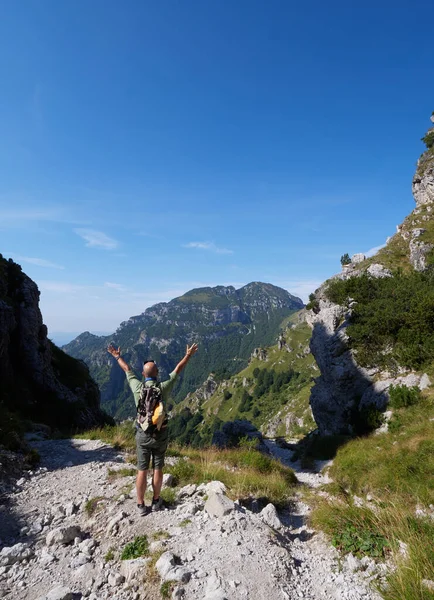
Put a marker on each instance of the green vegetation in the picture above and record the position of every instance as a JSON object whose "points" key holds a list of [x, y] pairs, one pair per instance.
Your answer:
{"points": [[167, 588], [160, 534], [392, 322], [397, 470], [352, 529], [402, 396], [137, 548], [345, 259], [118, 473], [185, 522], [122, 436], [252, 473], [225, 346], [110, 554], [91, 505], [428, 139], [280, 384], [313, 303]]}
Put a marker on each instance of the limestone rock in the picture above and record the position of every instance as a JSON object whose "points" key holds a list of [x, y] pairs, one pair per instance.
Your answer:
{"points": [[112, 524], [378, 271], [270, 517], [63, 535], [168, 569], [60, 592], [115, 579], [16, 553], [357, 258], [168, 480], [424, 382], [133, 569], [218, 505]]}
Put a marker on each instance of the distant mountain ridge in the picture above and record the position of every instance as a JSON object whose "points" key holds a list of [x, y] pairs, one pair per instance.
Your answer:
{"points": [[227, 323]]}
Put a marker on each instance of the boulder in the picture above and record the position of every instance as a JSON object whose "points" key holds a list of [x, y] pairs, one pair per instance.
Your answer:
{"points": [[13, 554], [60, 592], [270, 517], [219, 505], [63, 535], [168, 569], [115, 521], [133, 569]]}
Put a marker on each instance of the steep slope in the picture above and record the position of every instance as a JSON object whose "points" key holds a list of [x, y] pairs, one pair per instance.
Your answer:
{"points": [[272, 392], [227, 323], [373, 324], [38, 381]]}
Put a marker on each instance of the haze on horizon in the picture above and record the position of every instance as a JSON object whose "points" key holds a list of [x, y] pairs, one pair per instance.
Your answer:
{"points": [[156, 148]]}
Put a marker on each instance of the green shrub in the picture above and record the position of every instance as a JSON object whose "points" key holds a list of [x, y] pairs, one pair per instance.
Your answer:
{"points": [[345, 259], [392, 322], [137, 548], [110, 554], [402, 396], [92, 504], [428, 139], [167, 588], [313, 303], [227, 395], [182, 471]]}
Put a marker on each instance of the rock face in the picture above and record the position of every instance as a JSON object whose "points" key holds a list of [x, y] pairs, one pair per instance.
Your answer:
{"points": [[228, 324], [344, 390], [37, 378]]}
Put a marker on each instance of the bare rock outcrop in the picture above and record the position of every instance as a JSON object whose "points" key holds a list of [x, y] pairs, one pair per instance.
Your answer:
{"points": [[37, 378], [345, 390]]}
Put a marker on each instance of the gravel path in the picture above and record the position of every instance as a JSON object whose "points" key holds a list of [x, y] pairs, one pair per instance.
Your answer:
{"points": [[214, 548]]}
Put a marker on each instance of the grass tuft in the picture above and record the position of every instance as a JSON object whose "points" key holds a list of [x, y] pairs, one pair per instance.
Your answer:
{"points": [[137, 548]]}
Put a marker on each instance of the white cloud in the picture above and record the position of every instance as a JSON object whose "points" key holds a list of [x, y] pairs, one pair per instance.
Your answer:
{"points": [[115, 286], [59, 287], [39, 262], [208, 246], [374, 250], [97, 239]]}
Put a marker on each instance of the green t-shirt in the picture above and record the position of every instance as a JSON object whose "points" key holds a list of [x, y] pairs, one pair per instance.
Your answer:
{"points": [[136, 385]]}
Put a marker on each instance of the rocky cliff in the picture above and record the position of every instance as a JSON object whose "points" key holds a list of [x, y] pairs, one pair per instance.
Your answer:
{"points": [[227, 323], [352, 384], [38, 381]]}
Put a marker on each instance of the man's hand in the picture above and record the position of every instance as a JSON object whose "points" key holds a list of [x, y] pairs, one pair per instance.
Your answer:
{"points": [[113, 351], [188, 354], [191, 349]]}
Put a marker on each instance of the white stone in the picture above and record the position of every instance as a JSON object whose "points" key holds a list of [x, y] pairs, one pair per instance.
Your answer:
{"points": [[378, 271], [218, 505], [270, 517], [115, 579], [187, 490], [167, 480], [59, 593], [215, 486], [133, 569], [115, 521], [13, 554], [63, 535], [425, 382], [353, 563], [358, 258]]}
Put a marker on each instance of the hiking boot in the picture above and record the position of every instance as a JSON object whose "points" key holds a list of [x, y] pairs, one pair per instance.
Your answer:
{"points": [[142, 510], [156, 504]]}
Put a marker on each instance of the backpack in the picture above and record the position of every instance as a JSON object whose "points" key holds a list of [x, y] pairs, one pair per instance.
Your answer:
{"points": [[150, 409]]}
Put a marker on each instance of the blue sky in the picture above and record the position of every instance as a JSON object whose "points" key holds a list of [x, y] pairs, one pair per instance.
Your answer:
{"points": [[151, 147]]}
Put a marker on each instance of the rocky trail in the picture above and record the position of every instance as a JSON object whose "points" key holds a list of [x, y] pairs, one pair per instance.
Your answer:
{"points": [[53, 548]]}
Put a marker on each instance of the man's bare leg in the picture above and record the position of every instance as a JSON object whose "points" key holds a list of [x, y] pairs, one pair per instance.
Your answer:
{"points": [[157, 482], [141, 486]]}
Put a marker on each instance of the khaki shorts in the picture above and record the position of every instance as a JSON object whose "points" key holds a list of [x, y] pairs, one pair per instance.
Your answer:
{"points": [[148, 446]]}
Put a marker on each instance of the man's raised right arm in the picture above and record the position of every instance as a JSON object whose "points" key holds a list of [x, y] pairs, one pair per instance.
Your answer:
{"points": [[116, 353]]}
